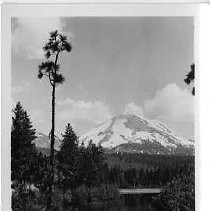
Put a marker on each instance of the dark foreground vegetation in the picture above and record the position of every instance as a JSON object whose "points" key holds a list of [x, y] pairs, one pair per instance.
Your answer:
{"points": [[88, 175], [179, 194], [79, 171]]}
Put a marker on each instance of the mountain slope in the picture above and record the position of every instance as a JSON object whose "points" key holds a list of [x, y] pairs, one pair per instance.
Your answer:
{"points": [[129, 133], [43, 142]]}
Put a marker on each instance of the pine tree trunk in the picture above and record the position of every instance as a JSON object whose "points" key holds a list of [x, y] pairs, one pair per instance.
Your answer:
{"points": [[52, 155], [51, 183]]}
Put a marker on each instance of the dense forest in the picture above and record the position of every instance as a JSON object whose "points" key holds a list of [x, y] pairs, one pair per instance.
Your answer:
{"points": [[84, 174], [142, 170]]}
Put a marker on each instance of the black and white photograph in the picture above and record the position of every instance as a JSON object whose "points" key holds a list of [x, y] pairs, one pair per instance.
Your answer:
{"points": [[102, 113]]}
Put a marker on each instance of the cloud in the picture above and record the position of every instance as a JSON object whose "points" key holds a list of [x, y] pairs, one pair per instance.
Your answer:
{"points": [[30, 35], [37, 115], [91, 111], [81, 87], [20, 88], [132, 108], [171, 103], [40, 120]]}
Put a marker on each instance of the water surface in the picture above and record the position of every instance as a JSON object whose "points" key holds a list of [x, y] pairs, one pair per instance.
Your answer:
{"points": [[130, 202]]}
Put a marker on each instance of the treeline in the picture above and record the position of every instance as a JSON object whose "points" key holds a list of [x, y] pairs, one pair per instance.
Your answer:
{"points": [[141, 170], [79, 171], [148, 161]]}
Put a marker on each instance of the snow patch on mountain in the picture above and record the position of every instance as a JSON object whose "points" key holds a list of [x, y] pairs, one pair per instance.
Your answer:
{"points": [[43, 141], [129, 129]]}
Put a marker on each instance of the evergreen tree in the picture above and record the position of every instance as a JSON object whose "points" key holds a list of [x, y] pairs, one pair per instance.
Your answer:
{"points": [[67, 159], [116, 175], [50, 68], [42, 170], [91, 165], [131, 177], [23, 152], [190, 77], [179, 194]]}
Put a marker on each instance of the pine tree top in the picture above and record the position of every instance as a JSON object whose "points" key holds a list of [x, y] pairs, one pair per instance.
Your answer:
{"points": [[70, 139], [21, 124], [23, 151]]}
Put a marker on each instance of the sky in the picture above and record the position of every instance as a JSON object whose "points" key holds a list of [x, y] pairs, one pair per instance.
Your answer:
{"points": [[130, 65]]}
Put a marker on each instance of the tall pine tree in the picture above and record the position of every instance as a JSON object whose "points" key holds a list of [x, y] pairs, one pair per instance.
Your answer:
{"points": [[23, 150], [68, 159], [56, 44]]}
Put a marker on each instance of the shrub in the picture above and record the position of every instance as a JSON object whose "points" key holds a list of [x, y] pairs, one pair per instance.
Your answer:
{"points": [[179, 194], [100, 194]]}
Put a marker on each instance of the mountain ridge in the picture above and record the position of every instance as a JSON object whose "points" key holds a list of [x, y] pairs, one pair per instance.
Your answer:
{"points": [[123, 132], [131, 134]]}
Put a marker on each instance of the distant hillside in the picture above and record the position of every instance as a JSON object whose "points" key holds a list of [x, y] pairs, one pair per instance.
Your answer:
{"points": [[130, 134], [42, 142]]}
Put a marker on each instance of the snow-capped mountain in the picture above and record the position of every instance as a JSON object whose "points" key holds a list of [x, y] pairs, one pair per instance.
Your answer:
{"points": [[129, 133], [43, 142]]}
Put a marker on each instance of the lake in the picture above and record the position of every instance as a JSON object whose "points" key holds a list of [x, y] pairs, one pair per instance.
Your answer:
{"points": [[129, 202]]}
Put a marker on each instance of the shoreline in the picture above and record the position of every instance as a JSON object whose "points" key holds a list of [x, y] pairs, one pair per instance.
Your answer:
{"points": [[140, 191]]}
